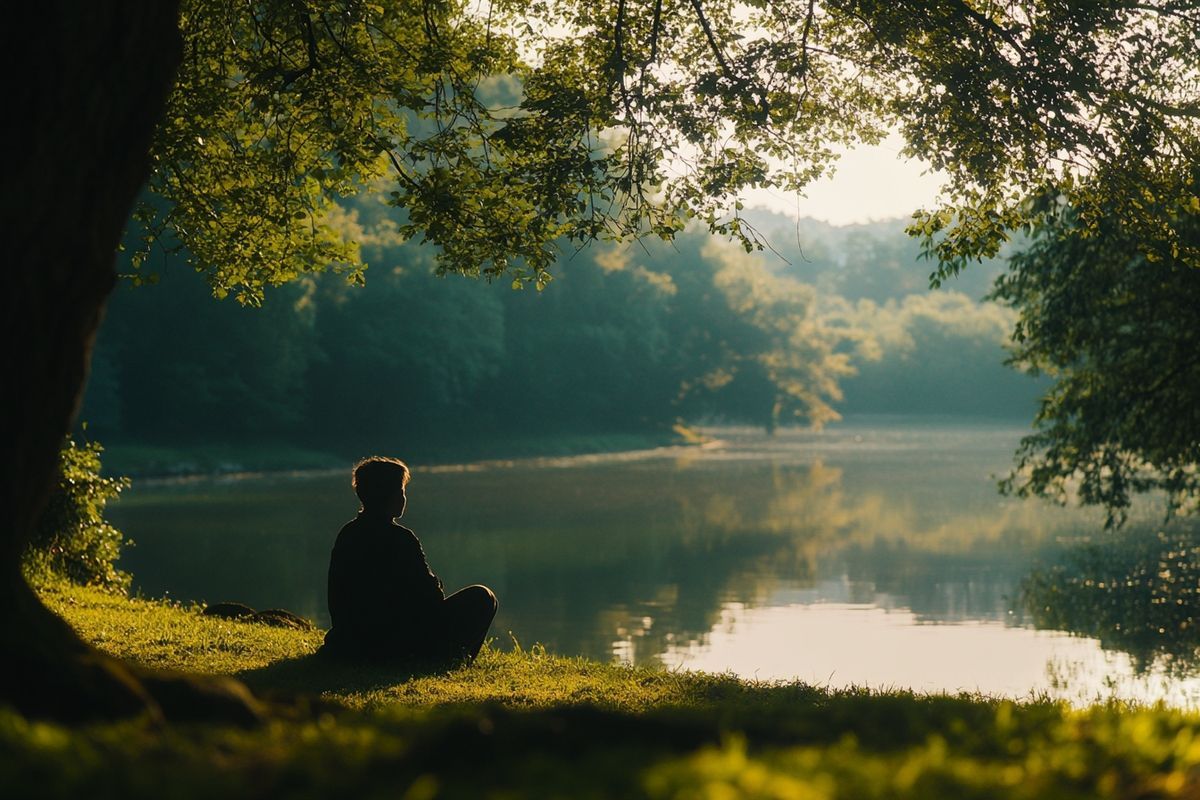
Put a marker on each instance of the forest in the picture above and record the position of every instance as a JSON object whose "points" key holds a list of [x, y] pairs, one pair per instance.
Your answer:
{"points": [[628, 339]]}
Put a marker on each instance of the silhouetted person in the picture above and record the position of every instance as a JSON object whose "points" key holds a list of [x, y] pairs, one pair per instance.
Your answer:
{"points": [[384, 601]]}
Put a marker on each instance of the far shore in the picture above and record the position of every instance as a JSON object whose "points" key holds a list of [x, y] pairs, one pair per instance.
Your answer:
{"points": [[232, 461], [161, 461]]}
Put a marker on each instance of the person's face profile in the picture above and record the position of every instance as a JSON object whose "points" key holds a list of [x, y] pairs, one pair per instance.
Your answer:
{"points": [[397, 502]]}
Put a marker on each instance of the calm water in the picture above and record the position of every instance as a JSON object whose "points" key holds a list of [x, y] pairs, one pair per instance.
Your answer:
{"points": [[873, 555]]}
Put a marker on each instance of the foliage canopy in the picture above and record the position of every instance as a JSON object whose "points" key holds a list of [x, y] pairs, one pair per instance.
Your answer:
{"points": [[511, 126], [509, 129], [1115, 326]]}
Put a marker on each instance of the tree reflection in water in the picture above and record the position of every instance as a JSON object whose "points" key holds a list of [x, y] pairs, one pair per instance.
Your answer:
{"points": [[667, 550], [636, 556], [1134, 591]]}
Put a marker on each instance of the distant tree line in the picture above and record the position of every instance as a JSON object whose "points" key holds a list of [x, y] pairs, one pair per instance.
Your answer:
{"points": [[629, 340]]}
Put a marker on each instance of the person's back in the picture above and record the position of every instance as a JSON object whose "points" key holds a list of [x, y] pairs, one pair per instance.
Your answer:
{"points": [[379, 580], [384, 601]]}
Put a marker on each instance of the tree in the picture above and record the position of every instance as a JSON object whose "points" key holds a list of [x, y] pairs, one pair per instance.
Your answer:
{"points": [[749, 344], [1113, 322], [624, 119], [213, 367]]}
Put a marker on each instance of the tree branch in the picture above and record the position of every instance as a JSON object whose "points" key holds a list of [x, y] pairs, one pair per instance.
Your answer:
{"points": [[712, 39]]}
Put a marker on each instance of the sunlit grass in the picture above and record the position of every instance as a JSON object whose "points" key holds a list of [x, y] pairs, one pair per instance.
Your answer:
{"points": [[168, 635], [524, 723]]}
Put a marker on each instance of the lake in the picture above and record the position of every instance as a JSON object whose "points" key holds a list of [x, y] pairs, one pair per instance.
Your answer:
{"points": [[875, 553]]}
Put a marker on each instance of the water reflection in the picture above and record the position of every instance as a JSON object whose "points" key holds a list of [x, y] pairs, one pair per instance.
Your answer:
{"points": [[782, 556], [843, 645], [1135, 591]]}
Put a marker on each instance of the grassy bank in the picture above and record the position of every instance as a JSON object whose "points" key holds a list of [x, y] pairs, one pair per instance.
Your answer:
{"points": [[528, 724]]}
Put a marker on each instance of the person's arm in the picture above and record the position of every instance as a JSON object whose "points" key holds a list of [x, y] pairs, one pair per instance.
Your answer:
{"points": [[418, 577]]}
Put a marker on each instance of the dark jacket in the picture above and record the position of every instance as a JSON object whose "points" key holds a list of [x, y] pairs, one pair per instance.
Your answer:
{"points": [[380, 584]]}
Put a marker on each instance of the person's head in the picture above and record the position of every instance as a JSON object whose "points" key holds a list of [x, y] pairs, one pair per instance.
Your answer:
{"points": [[379, 483]]}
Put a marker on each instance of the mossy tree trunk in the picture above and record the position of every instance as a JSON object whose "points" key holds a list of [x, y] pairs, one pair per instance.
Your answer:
{"points": [[88, 83]]}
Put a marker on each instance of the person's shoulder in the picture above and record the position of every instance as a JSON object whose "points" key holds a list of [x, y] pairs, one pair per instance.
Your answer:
{"points": [[405, 533], [356, 530], [347, 533]]}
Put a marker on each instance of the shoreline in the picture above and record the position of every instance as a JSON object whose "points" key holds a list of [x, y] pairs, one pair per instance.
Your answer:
{"points": [[164, 464], [167, 463]]}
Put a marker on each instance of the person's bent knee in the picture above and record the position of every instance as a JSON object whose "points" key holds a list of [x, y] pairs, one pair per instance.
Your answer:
{"points": [[484, 596]]}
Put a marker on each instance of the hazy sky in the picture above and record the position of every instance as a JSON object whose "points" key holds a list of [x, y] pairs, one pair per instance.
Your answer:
{"points": [[870, 183]]}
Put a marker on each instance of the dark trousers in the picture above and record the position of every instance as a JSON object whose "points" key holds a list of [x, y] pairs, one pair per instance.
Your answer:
{"points": [[450, 632], [457, 629]]}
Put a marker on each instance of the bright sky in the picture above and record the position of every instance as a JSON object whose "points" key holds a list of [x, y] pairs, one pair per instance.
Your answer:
{"points": [[870, 183]]}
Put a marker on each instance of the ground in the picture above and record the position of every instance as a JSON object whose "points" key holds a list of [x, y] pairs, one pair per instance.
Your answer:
{"points": [[529, 724]]}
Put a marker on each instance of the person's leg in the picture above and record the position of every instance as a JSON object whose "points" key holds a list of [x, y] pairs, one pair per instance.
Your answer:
{"points": [[466, 616]]}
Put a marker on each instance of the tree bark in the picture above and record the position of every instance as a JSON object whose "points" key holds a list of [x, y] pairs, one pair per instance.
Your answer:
{"points": [[88, 83]]}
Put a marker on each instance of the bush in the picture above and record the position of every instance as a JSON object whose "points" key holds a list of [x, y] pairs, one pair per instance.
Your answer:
{"points": [[72, 538]]}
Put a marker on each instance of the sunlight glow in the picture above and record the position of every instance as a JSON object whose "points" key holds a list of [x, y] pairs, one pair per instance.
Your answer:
{"points": [[871, 183]]}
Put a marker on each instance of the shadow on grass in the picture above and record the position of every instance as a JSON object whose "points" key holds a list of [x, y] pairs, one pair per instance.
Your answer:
{"points": [[318, 673], [703, 709]]}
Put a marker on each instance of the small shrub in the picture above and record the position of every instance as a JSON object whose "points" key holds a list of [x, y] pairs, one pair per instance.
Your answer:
{"points": [[72, 539]]}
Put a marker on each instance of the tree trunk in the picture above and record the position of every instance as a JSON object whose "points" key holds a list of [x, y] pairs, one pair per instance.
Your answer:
{"points": [[88, 83]]}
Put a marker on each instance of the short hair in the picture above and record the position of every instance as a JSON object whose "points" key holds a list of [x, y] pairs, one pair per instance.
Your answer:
{"points": [[374, 479]]}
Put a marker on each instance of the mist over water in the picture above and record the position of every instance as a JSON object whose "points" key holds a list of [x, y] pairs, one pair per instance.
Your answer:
{"points": [[874, 553]]}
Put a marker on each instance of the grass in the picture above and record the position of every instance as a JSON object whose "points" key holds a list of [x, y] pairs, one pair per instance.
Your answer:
{"points": [[169, 635], [530, 724]]}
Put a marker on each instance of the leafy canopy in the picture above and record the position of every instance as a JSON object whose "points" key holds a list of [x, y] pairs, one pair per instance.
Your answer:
{"points": [[1114, 324], [510, 128], [504, 130]]}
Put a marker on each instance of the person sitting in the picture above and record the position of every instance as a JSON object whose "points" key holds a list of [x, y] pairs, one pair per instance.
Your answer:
{"points": [[384, 600]]}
